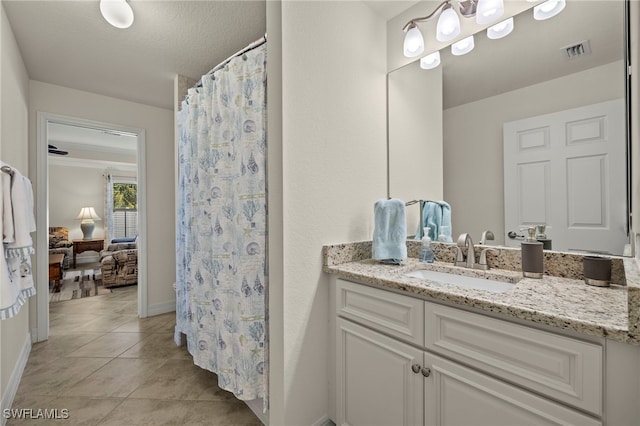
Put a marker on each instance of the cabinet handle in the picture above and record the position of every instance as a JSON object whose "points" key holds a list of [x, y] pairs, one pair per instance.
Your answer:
{"points": [[426, 372], [416, 368]]}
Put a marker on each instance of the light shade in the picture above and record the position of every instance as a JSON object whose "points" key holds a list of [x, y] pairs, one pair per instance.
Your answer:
{"points": [[489, 11], [501, 29], [88, 213], [413, 42], [430, 61], [548, 9], [463, 46], [117, 12], [448, 26]]}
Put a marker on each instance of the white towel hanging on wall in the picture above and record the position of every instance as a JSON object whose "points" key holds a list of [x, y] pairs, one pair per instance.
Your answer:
{"points": [[18, 221]]}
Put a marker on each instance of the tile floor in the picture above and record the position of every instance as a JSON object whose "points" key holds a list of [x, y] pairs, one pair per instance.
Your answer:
{"points": [[107, 367]]}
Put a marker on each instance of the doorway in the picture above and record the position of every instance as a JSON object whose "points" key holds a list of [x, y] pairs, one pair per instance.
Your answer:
{"points": [[48, 124]]}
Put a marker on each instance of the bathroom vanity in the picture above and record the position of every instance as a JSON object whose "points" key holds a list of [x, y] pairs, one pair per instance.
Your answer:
{"points": [[418, 351]]}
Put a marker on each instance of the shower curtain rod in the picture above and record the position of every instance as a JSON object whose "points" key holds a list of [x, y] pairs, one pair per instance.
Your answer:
{"points": [[253, 45]]}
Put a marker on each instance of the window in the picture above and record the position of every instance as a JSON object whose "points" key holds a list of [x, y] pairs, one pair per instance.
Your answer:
{"points": [[125, 209]]}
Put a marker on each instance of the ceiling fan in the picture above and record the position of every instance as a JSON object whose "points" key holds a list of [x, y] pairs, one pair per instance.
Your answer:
{"points": [[55, 150]]}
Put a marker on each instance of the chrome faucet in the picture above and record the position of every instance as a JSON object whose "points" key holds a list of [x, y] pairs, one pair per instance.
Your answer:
{"points": [[464, 240], [486, 235]]}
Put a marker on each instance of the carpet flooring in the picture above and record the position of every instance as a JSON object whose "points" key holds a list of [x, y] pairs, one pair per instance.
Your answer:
{"points": [[83, 281]]}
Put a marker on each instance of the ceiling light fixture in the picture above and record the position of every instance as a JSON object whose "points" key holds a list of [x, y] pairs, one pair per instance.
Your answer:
{"points": [[117, 12]]}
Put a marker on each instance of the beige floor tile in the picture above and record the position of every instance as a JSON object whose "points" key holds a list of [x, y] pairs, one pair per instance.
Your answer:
{"points": [[51, 380], [157, 345], [118, 378], [59, 346], [78, 411], [192, 413], [158, 324], [180, 379], [110, 345]]}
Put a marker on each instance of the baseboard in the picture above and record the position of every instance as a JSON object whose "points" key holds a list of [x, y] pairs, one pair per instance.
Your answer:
{"points": [[161, 308], [256, 405], [16, 376]]}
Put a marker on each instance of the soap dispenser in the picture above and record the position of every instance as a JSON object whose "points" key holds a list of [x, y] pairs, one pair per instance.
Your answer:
{"points": [[426, 252], [532, 256]]}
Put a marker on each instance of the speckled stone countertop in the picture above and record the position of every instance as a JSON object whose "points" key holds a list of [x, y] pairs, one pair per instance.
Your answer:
{"points": [[560, 299]]}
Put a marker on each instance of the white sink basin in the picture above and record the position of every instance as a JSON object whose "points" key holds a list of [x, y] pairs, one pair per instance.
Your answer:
{"points": [[461, 280]]}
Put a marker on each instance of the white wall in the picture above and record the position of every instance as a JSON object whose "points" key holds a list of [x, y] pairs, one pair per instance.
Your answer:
{"points": [[14, 92], [158, 124], [333, 168], [473, 153]]}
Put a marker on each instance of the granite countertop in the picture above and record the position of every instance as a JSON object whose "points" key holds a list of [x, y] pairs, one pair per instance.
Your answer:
{"points": [[558, 301]]}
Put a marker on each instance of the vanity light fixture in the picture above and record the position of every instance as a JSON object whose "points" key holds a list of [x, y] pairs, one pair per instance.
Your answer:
{"points": [[430, 61], [489, 11], [548, 9], [501, 29], [463, 46], [413, 42], [117, 12], [448, 26]]}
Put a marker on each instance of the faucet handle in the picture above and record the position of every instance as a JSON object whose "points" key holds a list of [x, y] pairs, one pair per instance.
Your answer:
{"points": [[482, 263]]}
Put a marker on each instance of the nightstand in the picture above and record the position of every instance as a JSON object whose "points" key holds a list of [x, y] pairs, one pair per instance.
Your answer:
{"points": [[80, 246]]}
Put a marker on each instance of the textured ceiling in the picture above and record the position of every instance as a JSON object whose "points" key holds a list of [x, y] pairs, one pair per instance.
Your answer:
{"points": [[68, 43]]}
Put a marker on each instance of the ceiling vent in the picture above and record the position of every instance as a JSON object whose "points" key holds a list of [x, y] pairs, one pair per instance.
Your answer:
{"points": [[576, 50]]}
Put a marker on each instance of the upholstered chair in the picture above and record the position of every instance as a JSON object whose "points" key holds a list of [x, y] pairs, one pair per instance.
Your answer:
{"points": [[59, 244], [119, 264]]}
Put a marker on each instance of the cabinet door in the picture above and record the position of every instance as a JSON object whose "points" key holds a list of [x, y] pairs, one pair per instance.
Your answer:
{"points": [[457, 396], [376, 384]]}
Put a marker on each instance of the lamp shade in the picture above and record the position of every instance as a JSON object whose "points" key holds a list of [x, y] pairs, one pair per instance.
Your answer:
{"points": [[448, 26], [489, 11], [501, 29], [87, 213], [548, 9], [463, 46], [430, 61], [413, 42], [117, 12]]}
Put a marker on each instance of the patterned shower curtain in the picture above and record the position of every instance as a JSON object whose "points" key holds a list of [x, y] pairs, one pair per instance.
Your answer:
{"points": [[222, 216]]}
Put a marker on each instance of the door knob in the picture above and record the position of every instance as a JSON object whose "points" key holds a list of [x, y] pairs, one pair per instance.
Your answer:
{"points": [[426, 372], [416, 368]]}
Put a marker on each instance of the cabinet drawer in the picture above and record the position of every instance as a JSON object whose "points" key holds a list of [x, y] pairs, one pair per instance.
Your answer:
{"points": [[562, 368], [393, 314]]}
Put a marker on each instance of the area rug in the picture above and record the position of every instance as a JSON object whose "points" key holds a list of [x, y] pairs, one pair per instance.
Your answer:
{"points": [[79, 283]]}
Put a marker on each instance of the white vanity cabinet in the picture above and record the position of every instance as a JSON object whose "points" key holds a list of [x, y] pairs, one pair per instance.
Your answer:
{"points": [[405, 361]]}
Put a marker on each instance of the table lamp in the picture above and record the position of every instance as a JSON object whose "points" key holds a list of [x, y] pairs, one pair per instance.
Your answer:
{"points": [[87, 215]]}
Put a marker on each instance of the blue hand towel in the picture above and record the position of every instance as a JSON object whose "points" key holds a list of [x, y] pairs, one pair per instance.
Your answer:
{"points": [[390, 232], [436, 215]]}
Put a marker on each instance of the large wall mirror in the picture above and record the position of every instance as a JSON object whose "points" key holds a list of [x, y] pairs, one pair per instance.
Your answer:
{"points": [[447, 127]]}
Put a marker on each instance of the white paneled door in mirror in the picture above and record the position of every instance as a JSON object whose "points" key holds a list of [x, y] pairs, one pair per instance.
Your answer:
{"points": [[567, 170]]}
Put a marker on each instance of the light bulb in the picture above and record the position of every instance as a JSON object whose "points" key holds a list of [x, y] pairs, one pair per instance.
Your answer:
{"points": [[448, 26], [117, 12], [463, 46], [501, 29], [413, 42], [489, 11], [430, 61], [548, 9]]}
